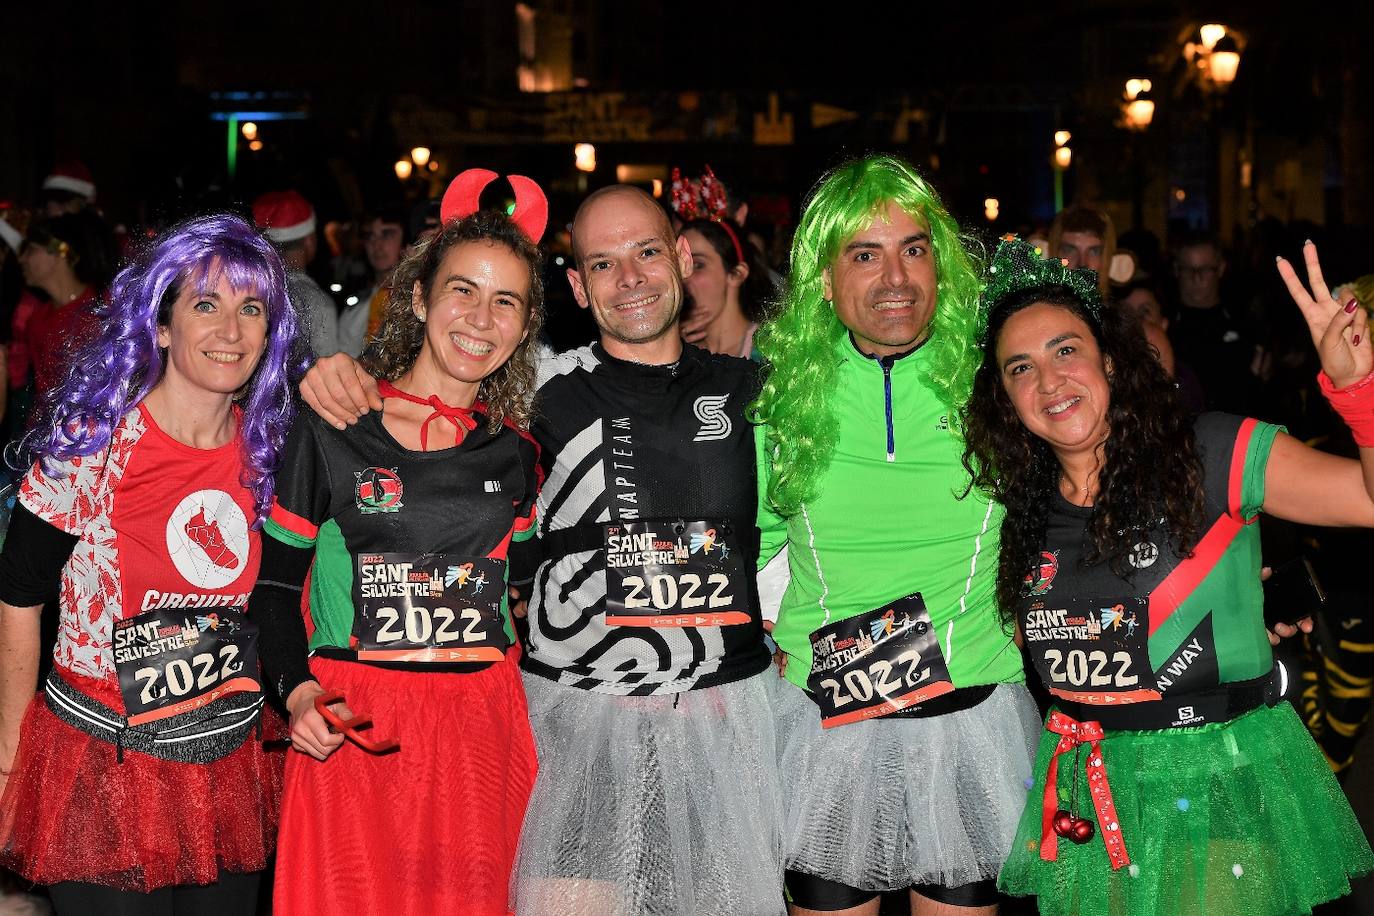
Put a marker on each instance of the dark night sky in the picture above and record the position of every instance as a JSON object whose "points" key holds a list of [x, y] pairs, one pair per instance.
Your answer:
{"points": [[125, 86]]}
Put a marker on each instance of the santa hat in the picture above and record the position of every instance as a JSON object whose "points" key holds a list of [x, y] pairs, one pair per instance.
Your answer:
{"points": [[73, 177], [284, 216], [10, 235]]}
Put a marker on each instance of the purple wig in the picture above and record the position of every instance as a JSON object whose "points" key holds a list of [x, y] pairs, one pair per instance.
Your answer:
{"points": [[115, 369]]}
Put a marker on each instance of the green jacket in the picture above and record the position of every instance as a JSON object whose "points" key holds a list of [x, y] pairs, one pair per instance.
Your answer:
{"points": [[888, 521]]}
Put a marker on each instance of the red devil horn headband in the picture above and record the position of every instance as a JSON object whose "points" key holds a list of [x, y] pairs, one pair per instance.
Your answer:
{"points": [[531, 206]]}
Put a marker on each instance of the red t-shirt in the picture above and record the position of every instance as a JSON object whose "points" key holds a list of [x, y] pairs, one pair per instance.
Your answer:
{"points": [[19, 358], [50, 333], [161, 524]]}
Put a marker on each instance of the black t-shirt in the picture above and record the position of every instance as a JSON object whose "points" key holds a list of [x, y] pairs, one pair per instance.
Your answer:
{"points": [[623, 442], [1174, 626], [369, 507], [1218, 349]]}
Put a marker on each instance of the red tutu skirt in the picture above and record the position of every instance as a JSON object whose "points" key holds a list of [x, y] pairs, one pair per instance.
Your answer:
{"points": [[429, 829], [70, 812]]}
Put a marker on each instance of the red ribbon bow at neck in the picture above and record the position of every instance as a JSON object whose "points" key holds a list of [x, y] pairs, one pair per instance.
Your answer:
{"points": [[460, 417], [1072, 734]]}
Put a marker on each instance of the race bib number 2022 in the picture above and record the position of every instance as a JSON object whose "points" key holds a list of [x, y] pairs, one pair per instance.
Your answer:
{"points": [[429, 608], [876, 663], [171, 661], [675, 574], [1093, 651]]}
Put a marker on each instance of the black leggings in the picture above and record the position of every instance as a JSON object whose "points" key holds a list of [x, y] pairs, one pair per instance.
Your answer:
{"points": [[234, 894], [816, 893]]}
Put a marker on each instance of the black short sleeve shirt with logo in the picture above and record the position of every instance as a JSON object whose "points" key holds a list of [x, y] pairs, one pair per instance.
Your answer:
{"points": [[410, 547], [655, 463], [1175, 625]]}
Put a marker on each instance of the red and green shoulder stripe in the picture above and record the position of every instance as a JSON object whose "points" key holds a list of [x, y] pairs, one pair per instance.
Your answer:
{"points": [[1244, 497], [290, 528]]}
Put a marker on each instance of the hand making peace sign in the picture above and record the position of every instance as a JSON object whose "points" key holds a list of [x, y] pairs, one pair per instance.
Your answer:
{"points": [[1340, 330]]}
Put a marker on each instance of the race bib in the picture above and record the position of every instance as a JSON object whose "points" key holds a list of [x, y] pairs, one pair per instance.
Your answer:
{"points": [[429, 608], [174, 660], [675, 574], [876, 663], [1093, 651]]}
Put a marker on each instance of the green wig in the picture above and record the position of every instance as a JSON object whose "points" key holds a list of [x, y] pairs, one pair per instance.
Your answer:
{"points": [[800, 343]]}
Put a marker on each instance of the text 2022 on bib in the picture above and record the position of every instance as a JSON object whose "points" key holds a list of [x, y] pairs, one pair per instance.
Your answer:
{"points": [[675, 574]]}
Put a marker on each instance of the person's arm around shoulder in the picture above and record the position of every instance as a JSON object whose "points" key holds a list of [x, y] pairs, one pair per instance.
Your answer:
{"points": [[338, 389], [1302, 484]]}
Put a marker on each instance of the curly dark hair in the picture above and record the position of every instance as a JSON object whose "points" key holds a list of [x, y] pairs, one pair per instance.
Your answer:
{"points": [[1151, 468], [509, 390]]}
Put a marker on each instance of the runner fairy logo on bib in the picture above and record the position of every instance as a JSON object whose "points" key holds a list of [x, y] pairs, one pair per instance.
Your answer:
{"points": [[1041, 579], [378, 490], [207, 538]]}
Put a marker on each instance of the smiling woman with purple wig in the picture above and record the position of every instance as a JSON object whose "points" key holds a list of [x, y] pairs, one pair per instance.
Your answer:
{"points": [[136, 781]]}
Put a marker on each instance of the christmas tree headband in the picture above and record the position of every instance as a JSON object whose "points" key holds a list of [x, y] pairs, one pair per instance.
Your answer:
{"points": [[1018, 266]]}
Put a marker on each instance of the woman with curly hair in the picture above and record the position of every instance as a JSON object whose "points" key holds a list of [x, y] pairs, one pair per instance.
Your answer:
{"points": [[1169, 779], [407, 518], [138, 774]]}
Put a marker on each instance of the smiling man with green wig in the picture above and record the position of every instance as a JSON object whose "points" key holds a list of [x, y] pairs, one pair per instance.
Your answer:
{"points": [[905, 730]]}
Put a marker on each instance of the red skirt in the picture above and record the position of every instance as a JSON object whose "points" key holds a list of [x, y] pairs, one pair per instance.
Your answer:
{"points": [[71, 812], [431, 828]]}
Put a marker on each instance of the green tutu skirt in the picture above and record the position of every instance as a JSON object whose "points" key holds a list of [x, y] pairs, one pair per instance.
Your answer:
{"points": [[1241, 818]]}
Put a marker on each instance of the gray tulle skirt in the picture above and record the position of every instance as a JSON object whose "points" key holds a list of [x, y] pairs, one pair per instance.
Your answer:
{"points": [[653, 806], [887, 803]]}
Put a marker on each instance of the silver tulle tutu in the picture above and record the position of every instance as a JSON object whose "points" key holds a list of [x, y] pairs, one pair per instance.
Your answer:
{"points": [[653, 806], [887, 803]]}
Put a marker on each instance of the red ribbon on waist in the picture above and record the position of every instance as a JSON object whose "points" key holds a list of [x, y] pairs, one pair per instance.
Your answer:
{"points": [[460, 417], [1071, 734]]}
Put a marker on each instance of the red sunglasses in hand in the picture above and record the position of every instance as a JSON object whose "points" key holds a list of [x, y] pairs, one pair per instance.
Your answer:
{"points": [[350, 728]]}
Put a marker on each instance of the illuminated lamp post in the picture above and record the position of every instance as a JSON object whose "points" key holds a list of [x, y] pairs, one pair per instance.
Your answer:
{"points": [[1213, 61], [1137, 111], [1223, 62], [1063, 157]]}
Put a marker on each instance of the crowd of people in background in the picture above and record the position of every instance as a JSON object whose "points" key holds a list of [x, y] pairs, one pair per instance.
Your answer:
{"points": [[876, 438]]}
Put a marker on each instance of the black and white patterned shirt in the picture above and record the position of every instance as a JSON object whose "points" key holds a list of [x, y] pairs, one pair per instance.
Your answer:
{"points": [[622, 441]]}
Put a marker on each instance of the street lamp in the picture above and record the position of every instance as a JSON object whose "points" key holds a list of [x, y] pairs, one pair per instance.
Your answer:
{"points": [[1215, 57], [403, 168], [1063, 156], [1137, 108], [584, 155], [1211, 33], [420, 156], [1224, 61]]}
